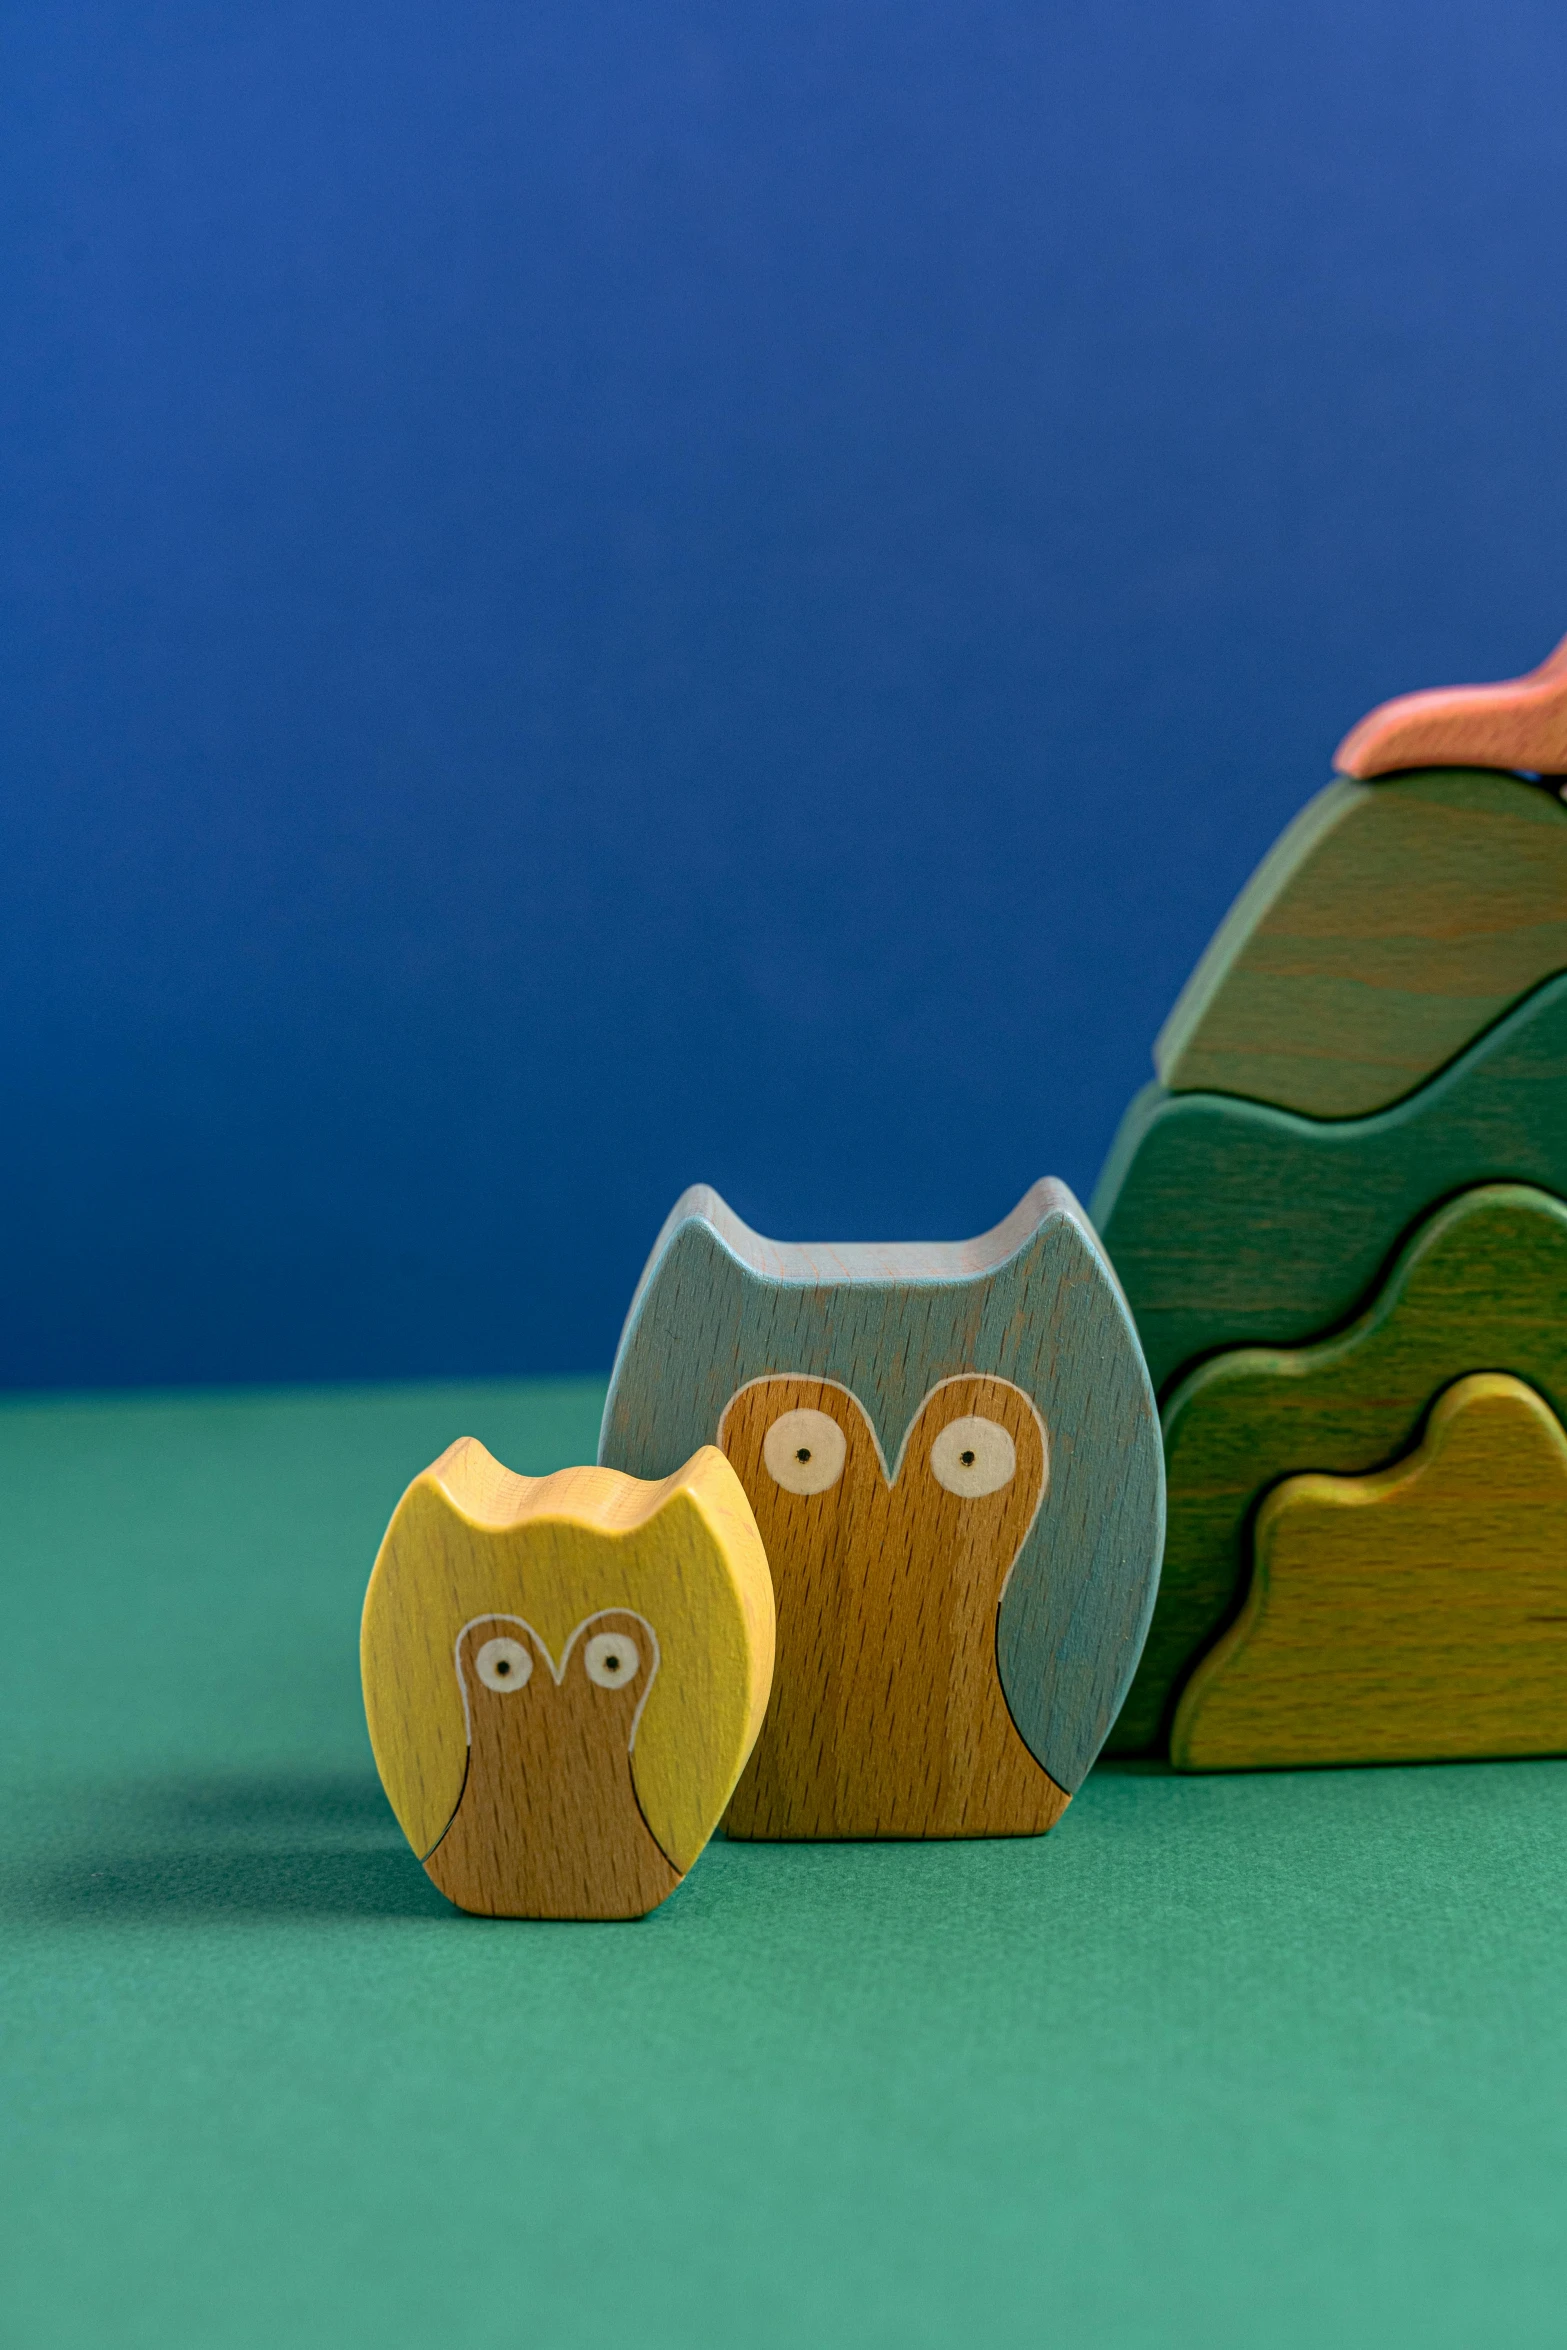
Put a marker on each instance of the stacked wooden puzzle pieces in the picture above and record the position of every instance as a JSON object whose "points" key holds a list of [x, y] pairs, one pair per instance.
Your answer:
{"points": [[873, 1546], [1339, 1218]]}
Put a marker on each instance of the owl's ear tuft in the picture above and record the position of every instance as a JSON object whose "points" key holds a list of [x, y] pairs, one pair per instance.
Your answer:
{"points": [[703, 1270], [476, 1484]]}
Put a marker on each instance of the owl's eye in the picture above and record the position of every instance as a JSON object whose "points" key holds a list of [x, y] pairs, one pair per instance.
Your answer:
{"points": [[611, 1659], [972, 1456], [503, 1664], [804, 1451]]}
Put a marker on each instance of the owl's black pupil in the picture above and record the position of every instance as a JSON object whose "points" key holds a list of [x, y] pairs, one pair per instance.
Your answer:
{"points": [[967, 1458], [804, 1453], [612, 1664], [503, 1664]]}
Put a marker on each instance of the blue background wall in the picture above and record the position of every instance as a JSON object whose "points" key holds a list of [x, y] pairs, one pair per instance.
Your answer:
{"points": [[601, 594]]}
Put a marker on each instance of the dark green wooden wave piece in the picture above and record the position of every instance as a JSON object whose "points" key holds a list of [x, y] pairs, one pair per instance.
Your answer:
{"points": [[1481, 1286], [1232, 1224]]}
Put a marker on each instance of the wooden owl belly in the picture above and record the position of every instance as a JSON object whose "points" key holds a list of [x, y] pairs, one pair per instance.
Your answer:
{"points": [[887, 1716], [549, 1825]]}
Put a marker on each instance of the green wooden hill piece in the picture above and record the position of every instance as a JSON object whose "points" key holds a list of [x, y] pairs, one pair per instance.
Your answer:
{"points": [[1482, 1286], [1387, 927], [1232, 1224]]}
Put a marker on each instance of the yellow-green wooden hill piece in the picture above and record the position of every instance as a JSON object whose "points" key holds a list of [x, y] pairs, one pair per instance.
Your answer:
{"points": [[1417, 1614], [1481, 1286]]}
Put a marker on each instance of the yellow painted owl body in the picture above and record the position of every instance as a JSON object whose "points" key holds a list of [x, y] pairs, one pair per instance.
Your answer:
{"points": [[564, 1677]]}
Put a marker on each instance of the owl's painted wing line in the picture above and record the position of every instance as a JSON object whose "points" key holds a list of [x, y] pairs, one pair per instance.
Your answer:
{"points": [[945, 1757], [549, 1824]]}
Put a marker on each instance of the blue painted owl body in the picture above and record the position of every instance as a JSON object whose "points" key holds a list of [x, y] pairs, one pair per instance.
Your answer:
{"points": [[1032, 1303]]}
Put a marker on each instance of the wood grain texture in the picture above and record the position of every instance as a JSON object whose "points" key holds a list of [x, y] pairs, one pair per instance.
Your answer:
{"points": [[1519, 723], [537, 1816], [889, 1718], [1418, 1614], [1032, 1303], [1386, 929], [1233, 1224], [1481, 1286], [548, 1824]]}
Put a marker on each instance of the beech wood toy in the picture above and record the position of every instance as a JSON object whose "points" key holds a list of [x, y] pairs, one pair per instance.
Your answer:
{"points": [[1403, 1615], [1483, 1280], [1287, 1223], [563, 1677], [1341, 1202], [1520, 724], [1391, 923], [952, 1454]]}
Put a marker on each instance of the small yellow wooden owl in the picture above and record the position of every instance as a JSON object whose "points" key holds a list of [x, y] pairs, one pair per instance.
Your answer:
{"points": [[564, 1677]]}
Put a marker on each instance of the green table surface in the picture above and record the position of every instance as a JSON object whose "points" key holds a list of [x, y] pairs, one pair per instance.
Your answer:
{"points": [[1265, 2060]]}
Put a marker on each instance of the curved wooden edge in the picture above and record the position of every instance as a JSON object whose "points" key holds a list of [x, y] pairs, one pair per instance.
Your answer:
{"points": [[1395, 1615], [1520, 723], [1479, 1277], [1215, 967], [495, 1499], [711, 1486], [1048, 1314], [818, 1262], [1053, 1801], [1443, 1227], [414, 1708], [1236, 1223], [829, 1264]]}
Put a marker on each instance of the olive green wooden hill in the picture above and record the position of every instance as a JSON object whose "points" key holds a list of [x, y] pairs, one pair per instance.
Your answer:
{"points": [[1417, 1614], [1232, 1223], [1481, 1286], [1388, 926]]}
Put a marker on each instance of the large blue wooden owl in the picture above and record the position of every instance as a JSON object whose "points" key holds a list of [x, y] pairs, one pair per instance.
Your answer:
{"points": [[952, 1453]]}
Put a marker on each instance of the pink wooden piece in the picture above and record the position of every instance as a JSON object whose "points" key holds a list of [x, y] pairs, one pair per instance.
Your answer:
{"points": [[1520, 724]]}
